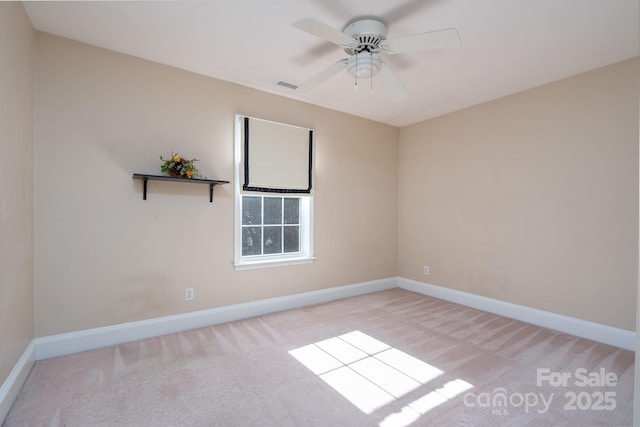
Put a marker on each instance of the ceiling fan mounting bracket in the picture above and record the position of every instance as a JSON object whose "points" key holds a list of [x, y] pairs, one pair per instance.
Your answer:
{"points": [[367, 33]]}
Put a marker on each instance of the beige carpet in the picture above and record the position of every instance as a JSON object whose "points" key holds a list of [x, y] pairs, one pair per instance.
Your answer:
{"points": [[392, 358]]}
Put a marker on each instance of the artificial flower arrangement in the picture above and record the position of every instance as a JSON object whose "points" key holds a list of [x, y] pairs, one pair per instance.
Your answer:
{"points": [[179, 166]]}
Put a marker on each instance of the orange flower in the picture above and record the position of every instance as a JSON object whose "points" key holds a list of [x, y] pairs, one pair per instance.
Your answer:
{"points": [[189, 173]]}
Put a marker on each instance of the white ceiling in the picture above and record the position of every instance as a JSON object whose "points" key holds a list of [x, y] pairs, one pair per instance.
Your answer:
{"points": [[507, 45]]}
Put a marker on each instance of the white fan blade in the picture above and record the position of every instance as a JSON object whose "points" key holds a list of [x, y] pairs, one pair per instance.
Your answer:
{"points": [[323, 75], [324, 31], [432, 40], [395, 88]]}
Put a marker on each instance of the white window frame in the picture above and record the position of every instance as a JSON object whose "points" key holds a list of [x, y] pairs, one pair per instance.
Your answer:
{"points": [[240, 262]]}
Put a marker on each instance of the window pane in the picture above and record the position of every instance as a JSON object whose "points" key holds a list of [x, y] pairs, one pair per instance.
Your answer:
{"points": [[273, 210], [291, 211], [273, 240], [292, 239], [251, 210], [251, 241]]}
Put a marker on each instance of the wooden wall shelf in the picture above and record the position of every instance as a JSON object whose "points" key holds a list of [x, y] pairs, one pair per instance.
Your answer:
{"points": [[212, 182]]}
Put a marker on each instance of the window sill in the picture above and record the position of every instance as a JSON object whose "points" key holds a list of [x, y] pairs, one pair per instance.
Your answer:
{"points": [[253, 265]]}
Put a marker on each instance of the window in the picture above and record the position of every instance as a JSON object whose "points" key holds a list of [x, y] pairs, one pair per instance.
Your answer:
{"points": [[270, 225], [273, 194]]}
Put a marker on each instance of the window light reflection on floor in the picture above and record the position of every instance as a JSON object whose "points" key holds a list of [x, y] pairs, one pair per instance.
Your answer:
{"points": [[371, 374], [417, 408]]}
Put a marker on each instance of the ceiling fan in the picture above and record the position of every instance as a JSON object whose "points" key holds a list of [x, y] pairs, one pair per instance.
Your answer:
{"points": [[364, 40]]}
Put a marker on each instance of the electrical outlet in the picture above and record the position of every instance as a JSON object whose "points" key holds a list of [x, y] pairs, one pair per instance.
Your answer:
{"points": [[426, 270], [188, 294]]}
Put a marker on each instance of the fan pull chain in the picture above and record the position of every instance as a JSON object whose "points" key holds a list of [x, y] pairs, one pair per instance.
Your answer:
{"points": [[371, 77], [355, 87]]}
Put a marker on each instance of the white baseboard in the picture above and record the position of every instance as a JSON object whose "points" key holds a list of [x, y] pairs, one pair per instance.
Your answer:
{"points": [[16, 379], [74, 342], [582, 328]]}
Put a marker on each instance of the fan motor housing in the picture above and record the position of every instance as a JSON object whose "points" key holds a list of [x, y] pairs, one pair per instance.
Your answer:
{"points": [[368, 34]]}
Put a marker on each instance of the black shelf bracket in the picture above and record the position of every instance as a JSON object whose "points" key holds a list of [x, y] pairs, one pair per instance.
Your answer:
{"points": [[145, 178]]}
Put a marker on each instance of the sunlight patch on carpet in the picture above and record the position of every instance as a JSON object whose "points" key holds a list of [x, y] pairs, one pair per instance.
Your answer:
{"points": [[371, 374], [419, 407]]}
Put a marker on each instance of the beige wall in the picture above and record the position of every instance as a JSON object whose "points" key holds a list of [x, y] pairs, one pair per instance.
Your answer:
{"points": [[104, 256], [16, 185], [636, 384], [530, 199]]}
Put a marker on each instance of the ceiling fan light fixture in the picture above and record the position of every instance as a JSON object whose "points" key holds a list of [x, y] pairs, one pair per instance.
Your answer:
{"points": [[364, 65]]}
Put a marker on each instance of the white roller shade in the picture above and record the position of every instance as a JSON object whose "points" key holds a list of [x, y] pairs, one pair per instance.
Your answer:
{"points": [[277, 157]]}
